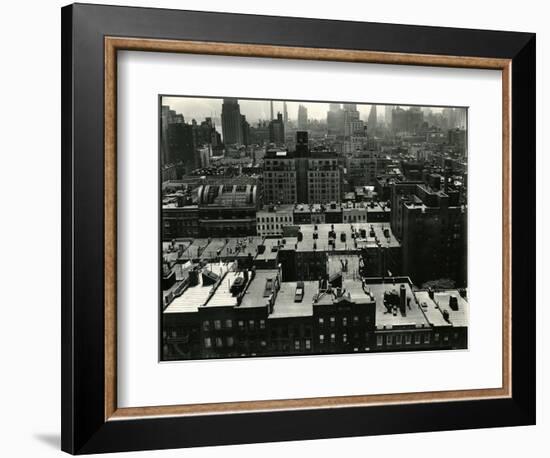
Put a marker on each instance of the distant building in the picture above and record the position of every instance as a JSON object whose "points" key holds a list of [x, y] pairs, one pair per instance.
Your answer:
{"points": [[302, 117], [277, 130], [372, 121], [304, 176], [227, 210], [182, 146], [279, 177], [271, 219], [407, 121], [335, 120], [232, 122]]}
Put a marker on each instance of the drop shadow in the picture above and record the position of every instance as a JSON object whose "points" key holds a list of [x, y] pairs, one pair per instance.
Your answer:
{"points": [[51, 439]]}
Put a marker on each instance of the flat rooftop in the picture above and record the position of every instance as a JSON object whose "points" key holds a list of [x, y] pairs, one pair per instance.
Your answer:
{"points": [[414, 317], [352, 290], [223, 297], [195, 296], [269, 254], [285, 307], [240, 247], [457, 317], [212, 249], [348, 244], [192, 251], [254, 295]]}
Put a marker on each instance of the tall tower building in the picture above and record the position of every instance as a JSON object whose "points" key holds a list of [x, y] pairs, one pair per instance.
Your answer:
{"points": [[302, 117], [232, 127], [277, 130], [373, 120], [388, 114], [285, 114], [271, 110]]}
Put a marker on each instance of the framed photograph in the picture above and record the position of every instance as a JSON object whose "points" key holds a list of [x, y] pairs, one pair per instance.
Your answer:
{"points": [[284, 228]]}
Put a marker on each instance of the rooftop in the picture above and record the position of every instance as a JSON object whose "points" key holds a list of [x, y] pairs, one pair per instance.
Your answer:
{"points": [[194, 250], [344, 240], [223, 297], [255, 295], [239, 247], [195, 296], [285, 307], [213, 249], [414, 317], [271, 250]]}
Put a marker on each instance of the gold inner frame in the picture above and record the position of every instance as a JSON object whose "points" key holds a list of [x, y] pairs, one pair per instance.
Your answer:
{"points": [[114, 44]]}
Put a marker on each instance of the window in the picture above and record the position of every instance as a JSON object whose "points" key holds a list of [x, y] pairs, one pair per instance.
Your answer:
{"points": [[321, 338], [344, 321], [296, 345], [427, 338], [230, 341], [344, 338], [206, 325], [262, 324], [355, 320], [407, 339], [417, 338], [398, 339], [263, 343], [219, 342], [308, 344], [207, 342], [379, 340], [332, 338], [389, 339], [436, 336], [321, 321], [251, 324], [228, 324], [332, 321], [241, 324], [217, 324], [367, 319]]}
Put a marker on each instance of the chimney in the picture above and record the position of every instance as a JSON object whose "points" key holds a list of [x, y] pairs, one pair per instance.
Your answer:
{"points": [[403, 299]]}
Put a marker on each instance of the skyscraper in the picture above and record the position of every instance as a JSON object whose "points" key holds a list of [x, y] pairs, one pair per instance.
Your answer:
{"points": [[335, 119], [302, 117], [373, 120], [387, 114], [232, 129], [277, 130], [285, 114]]}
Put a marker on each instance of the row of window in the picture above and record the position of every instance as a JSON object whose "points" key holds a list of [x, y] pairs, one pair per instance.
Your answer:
{"points": [[228, 324], [274, 219], [228, 342], [332, 320], [333, 338], [407, 339]]}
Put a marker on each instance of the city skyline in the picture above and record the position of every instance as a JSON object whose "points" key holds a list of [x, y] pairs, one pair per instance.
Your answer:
{"points": [[255, 110]]}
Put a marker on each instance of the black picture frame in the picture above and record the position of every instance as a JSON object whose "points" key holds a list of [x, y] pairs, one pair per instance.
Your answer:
{"points": [[84, 428]]}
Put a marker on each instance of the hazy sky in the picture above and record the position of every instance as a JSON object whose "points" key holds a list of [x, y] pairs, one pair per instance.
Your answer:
{"points": [[199, 108]]}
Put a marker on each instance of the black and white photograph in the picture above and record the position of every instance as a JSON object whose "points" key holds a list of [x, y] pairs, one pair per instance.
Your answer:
{"points": [[293, 227]]}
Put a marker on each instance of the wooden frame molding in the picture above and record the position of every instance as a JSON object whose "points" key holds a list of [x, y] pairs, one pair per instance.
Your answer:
{"points": [[114, 44]]}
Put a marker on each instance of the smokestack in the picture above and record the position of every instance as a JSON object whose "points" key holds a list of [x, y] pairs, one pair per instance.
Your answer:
{"points": [[403, 299]]}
